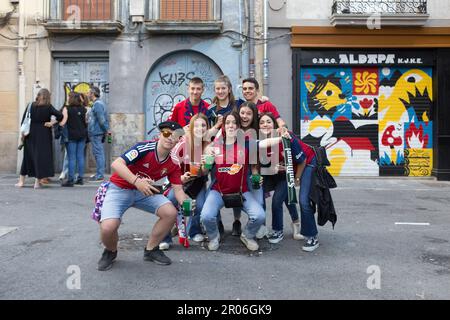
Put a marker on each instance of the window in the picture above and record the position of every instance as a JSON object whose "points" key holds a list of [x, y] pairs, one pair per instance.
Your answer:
{"points": [[100, 10], [186, 10]]}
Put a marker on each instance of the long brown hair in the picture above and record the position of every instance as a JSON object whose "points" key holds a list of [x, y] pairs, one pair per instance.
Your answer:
{"points": [[231, 99], [191, 133], [43, 97]]}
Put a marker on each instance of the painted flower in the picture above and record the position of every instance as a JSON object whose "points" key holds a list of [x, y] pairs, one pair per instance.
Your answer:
{"points": [[366, 82]]}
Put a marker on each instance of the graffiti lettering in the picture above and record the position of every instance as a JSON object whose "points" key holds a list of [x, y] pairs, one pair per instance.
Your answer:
{"points": [[175, 78]]}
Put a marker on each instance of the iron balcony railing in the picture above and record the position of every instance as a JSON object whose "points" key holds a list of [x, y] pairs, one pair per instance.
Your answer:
{"points": [[379, 6]]}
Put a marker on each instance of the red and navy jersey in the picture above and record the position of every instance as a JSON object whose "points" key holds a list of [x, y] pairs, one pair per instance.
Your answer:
{"points": [[231, 168], [184, 111], [142, 160], [267, 107]]}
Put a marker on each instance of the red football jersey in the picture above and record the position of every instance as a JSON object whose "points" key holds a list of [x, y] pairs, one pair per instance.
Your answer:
{"points": [[231, 168], [184, 111], [142, 160], [267, 107]]}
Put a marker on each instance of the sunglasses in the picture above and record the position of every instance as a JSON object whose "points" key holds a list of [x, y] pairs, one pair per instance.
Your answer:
{"points": [[168, 133]]}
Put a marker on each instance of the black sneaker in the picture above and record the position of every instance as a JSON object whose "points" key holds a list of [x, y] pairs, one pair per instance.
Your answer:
{"points": [[68, 183], [107, 259], [311, 244], [276, 236], [221, 228], [237, 230], [79, 181], [157, 256]]}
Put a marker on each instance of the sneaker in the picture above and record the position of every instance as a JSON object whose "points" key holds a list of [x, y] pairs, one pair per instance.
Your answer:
{"points": [[311, 244], [62, 176], [296, 231], [79, 181], [107, 259], [213, 244], [94, 178], [275, 236], [262, 232], [68, 183], [221, 228], [164, 246], [251, 244], [198, 237], [237, 228], [157, 256]]}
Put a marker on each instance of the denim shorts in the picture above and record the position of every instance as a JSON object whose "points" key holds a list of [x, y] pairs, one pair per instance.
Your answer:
{"points": [[118, 200]]}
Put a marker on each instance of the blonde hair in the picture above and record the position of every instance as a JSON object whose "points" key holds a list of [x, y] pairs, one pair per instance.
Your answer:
{"points": [[191, 133], [226, 80]]}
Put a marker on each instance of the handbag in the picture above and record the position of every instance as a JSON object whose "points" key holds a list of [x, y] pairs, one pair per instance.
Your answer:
{"points": [[193, 187], [26, 124], [233, 200]]}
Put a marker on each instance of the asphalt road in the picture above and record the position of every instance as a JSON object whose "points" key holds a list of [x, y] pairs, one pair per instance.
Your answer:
{"points": [[47, 240]]}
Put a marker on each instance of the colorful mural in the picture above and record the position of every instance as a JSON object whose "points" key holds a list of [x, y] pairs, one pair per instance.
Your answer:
{"points": [[373, 121]]}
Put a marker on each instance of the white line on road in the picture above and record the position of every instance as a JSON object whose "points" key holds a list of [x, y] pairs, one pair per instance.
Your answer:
{"points": [[414, 223]]}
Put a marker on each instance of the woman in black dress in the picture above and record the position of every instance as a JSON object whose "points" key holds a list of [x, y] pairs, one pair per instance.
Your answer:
{"points": [[38, 148]]}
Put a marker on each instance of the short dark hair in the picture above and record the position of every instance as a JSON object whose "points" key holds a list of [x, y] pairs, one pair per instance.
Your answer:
{"points": [[196, 80], [252, 80], [75, 99], [96, 91]]}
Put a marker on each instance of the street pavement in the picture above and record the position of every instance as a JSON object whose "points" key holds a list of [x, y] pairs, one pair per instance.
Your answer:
{"points": [[49, 248]]}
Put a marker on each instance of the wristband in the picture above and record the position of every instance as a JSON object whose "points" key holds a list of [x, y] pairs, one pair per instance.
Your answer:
{"points": [[134, 182]]}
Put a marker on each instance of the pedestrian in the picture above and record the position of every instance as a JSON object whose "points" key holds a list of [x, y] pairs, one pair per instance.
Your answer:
{"points": [[131, 185], [38, 147], [186, 109], [75, 117], [98, 126]]}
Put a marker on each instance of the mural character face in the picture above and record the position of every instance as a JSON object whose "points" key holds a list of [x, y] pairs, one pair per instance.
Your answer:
{"points": [[325, 94]]}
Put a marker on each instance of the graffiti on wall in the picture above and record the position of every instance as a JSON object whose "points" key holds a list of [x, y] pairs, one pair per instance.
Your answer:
{"points": [[83, 87], [168, 82], [373, 121]]}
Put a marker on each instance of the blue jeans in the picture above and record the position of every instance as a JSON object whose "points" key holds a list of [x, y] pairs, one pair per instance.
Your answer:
{"points": [[214, 202], [75, 152], [308, 221], [193, 226], [258, 194], [99, 155], [280, 195]]}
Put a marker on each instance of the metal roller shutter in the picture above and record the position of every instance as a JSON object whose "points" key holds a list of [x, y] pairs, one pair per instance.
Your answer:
{"points": [[374, 121]]}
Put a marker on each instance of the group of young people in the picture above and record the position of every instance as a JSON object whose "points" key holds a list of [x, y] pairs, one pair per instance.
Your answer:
{"points": [[228, 154]]}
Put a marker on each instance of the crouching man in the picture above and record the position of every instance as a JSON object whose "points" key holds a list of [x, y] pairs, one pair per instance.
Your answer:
{"points": [[131, 185]]}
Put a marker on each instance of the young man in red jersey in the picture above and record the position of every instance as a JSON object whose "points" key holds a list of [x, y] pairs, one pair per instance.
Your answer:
{"points": [[186, 109], [132, 185]]}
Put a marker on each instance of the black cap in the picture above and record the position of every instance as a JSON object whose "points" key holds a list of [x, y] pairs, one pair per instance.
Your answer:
{"points": [[170, 125]]}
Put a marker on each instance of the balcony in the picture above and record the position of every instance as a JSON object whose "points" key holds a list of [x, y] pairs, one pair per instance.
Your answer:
{"points": [[81, 16], [377, 13], [184, 16]]}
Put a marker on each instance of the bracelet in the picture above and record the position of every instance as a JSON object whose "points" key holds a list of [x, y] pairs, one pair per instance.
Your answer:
{"points": [[134, 182]]}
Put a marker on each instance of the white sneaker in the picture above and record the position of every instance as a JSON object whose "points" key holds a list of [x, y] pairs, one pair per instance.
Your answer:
{"points": [[262, 232], [296, 231], [213, 244], [164, 246], [198, 238], [251, 244], [62, 176]]}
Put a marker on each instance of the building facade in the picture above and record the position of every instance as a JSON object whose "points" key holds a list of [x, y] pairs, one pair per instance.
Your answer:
{"points": [[368, 81]]}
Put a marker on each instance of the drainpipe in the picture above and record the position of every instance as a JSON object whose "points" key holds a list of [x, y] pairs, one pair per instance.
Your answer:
{"points": [[251, 43], [265, 59], [21, 70]]}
